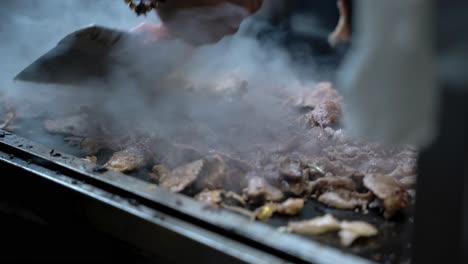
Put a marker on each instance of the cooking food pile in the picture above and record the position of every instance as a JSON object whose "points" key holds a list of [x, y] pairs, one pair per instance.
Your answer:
{"points": [[312, 159]]}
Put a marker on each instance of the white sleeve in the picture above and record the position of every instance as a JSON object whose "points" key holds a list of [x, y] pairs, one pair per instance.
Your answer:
{"points": [[388, 79]]}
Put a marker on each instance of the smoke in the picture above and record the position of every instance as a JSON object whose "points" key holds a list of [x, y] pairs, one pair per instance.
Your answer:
{"points": [[231, 93]]}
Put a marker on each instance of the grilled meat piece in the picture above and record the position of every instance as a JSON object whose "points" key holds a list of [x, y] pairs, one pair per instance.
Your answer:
{"points": [[213, 173], [259, 190], [293, 176], [129, 159], [322, 92], [291, 169], [182, 177], [345, 199], [159, 173], [92, 159], [91, 146], [390, 190], [350, 231], [211, 197], [220, 198], [316, 226], [327, 113], [225, 199], [293, 188], [289, 207], [329, 184]]}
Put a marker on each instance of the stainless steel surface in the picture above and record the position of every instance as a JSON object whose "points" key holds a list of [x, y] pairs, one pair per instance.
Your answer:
{"points": [[143, 199]]}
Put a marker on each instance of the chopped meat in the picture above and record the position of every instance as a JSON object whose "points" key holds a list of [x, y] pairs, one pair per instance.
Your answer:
{"points": [[182, 177], [328, 184], [213, 173], [77, 125], [91, 146], [345, 199], [334, 166], [220, 198], [316, 226], [291, 169], [225, 199], [293, 188], [236, 172], [129, 159], [92, 159], [213, 197], [350, 231], [232, 198], [289, 207], [159, 173], [322, 92], [259, 190], [326, 113], [342, 32], [294, 176], [390, 190]]}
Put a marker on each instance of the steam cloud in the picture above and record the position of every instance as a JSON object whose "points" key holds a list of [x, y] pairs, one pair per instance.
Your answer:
{"points": [[178, 94]]}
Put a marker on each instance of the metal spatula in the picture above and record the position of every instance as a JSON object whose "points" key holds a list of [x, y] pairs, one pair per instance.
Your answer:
{"points": [[82, 56]]}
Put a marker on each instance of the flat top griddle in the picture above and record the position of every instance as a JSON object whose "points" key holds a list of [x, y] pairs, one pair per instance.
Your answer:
{"points": [[392, 245]]}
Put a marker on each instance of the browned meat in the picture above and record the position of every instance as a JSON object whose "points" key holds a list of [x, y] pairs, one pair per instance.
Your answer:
{"points": [[350, 231], [322, 92], [291, 169], [159, 173], [92, 159], [289, 207], [213, 197], [332, 166], [346, 199], [129, 159], [259, 190], [182, 177], [316, 226], [390, 190], [77, 125], [220, 198], [294, 176], [92, 146], [327, 113], [213, 173], [342, 32], [329, 184], [293, 188]]}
